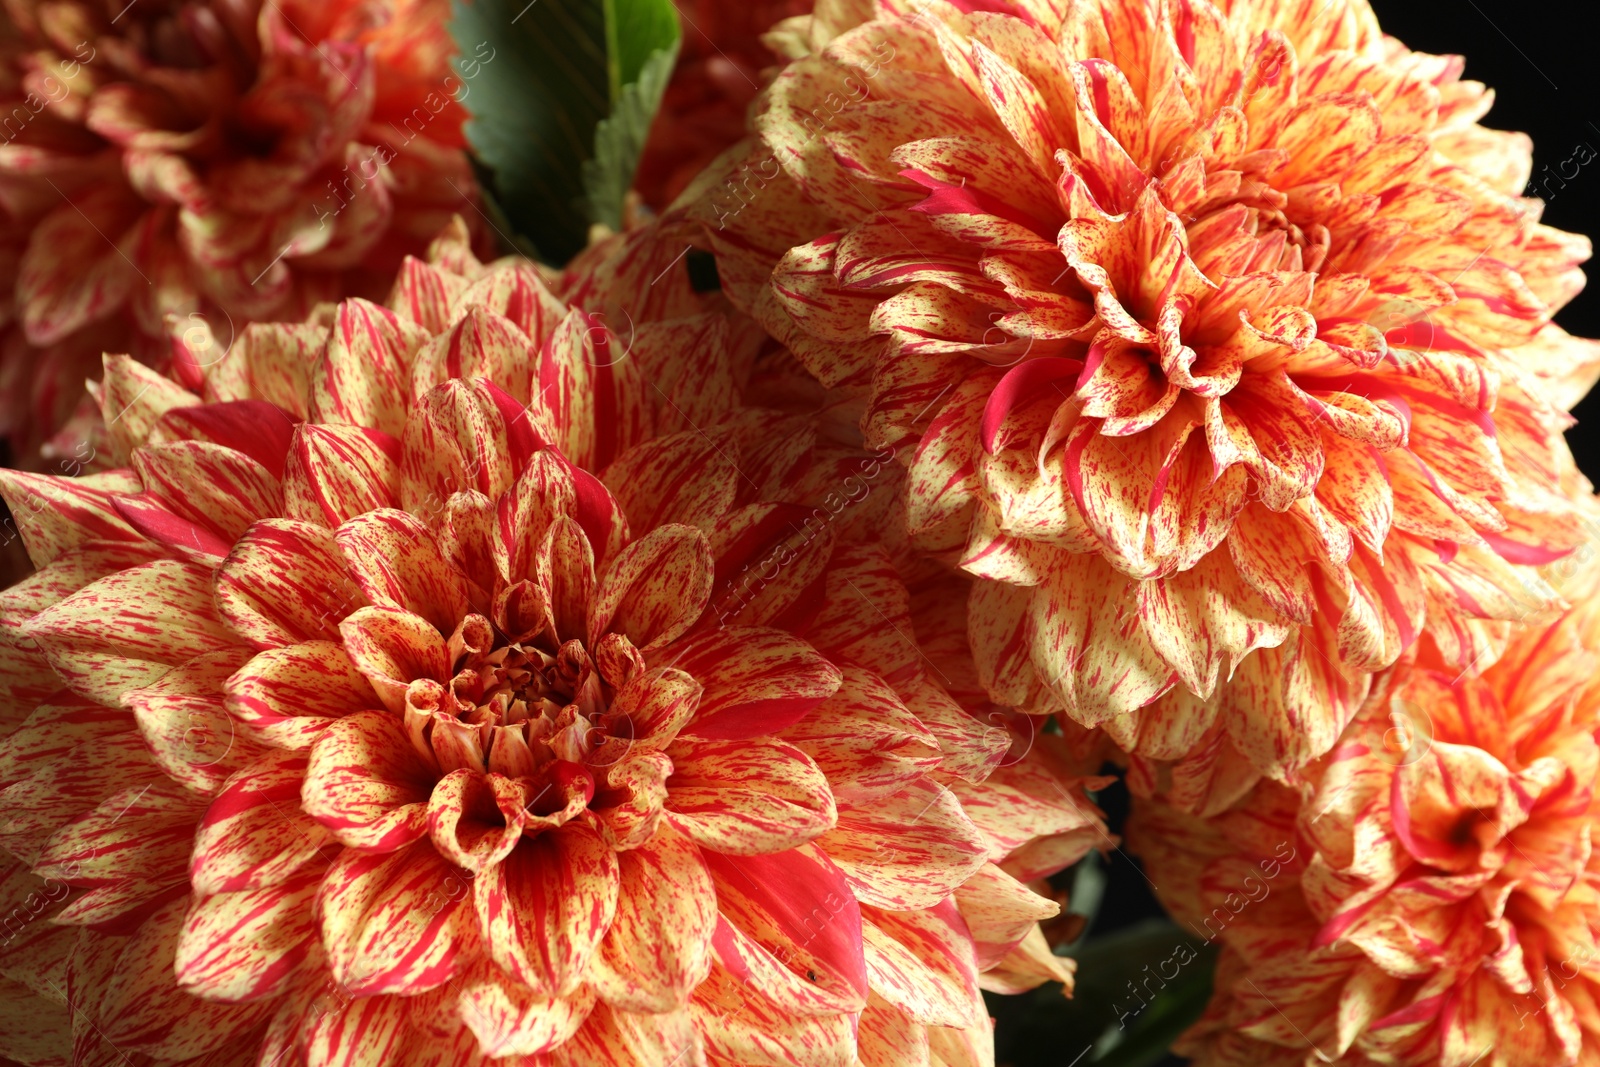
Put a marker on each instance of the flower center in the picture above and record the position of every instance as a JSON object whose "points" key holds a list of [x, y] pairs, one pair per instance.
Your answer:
{"points": [[518, 708]]}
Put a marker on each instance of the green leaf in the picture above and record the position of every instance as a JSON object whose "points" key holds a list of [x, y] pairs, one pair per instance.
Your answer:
{"points": [[636, 30], [561, 94], [534, 105], [619, 140], [1137, 990], [1171, 1012]]}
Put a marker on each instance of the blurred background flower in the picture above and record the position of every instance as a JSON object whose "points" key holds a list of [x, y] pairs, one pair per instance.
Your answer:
{"points": [[237, 159]]}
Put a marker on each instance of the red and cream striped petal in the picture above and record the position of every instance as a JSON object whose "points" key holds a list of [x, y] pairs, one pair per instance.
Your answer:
{"points": [[254, 834], [128, 629], [747, 797], [756, 681], [287, 696], [367, 784], [658, 948], [349, 1031], [189, 731], [655, 589], [253, 944], [740, 1025], [365, 375], [393, 648], [627, 1039], [55, 514], [865, 740], [509, 1019], [908, 850], [792, 928], [476, 819], [395, 922], [900, 976], [396, 561], [544, 909], [285, 582], [139, 1008], [335, 473]]}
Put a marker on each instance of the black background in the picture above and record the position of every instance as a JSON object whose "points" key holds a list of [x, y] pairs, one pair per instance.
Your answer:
{"points": [[1545, 71]]}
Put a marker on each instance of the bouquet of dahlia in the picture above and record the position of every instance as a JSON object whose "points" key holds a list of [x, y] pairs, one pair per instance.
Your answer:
{"points": [[591, 533]]}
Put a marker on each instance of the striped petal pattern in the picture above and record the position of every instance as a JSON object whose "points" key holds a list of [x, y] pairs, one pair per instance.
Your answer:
{"points": [[1186, 339], [457, 719]]}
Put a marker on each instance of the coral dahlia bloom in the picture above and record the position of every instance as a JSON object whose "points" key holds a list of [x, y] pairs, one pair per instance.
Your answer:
{"points": [[372, 727], [1443, 909], [244, 160], [1215, 337]]}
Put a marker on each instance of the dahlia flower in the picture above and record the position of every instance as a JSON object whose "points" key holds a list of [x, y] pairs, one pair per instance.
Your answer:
{"points": [[1439, 906], [243, 160], [1216, 341], [419, 693]]}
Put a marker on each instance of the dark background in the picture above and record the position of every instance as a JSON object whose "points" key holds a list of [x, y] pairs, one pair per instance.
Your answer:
{"points": [[1546, 76]]}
